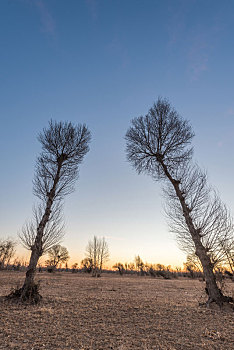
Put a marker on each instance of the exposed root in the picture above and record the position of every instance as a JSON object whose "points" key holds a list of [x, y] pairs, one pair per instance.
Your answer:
{"points": [[223, 299], [28, 294]]}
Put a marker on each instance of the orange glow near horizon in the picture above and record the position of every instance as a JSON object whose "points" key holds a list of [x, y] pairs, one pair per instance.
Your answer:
{"points": [[24, 256]]}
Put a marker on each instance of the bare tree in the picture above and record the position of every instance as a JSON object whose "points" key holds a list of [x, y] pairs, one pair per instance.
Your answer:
{"points": [[57, 255], [87, 265], [75, 267], [64, 146], [193, 260], [7, 251], [139, 263], [103, 252], [97, 251], [120, 268], [159, 145]]}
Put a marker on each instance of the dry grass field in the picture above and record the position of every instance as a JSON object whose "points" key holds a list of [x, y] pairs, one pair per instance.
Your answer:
{"points": [[82, 313]]}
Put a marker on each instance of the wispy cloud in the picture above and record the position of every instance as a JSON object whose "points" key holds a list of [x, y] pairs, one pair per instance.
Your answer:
{"points": [[92, 6], [194, 40], [176, 25], [201, 43], [47, 20], [198, 55]]}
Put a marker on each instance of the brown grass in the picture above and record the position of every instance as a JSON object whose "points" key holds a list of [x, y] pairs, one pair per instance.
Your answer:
{"points": [[82, 313]]}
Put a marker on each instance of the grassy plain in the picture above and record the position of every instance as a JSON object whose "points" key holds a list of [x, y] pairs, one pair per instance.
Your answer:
{"points": [[79, 312]]}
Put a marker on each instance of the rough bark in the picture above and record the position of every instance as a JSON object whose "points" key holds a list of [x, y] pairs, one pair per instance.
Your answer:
{"points": [[214, 293]]}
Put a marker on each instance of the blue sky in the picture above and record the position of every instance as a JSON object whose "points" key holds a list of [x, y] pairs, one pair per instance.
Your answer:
{"points": [[104, 63]]}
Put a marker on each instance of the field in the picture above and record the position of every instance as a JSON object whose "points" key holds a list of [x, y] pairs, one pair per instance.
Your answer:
{"points": [[113, 312]]}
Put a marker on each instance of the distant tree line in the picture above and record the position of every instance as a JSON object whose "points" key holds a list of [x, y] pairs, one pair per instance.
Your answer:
{"points": [[190, 269], [96, 255]]}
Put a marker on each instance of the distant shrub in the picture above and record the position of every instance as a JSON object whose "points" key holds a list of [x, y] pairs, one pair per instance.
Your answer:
{"points": [[50, 269]]}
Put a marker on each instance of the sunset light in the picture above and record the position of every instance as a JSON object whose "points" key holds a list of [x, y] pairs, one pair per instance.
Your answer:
{"points": [[117, 161]]}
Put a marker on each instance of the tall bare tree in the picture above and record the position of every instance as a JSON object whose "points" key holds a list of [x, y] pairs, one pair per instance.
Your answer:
{"points": [[159, 145], [97, 251], [64, 146]]}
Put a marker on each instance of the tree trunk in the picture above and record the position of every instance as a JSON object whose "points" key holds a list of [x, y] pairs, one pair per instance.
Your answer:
{"points": [[214, 293], [30, 290]]}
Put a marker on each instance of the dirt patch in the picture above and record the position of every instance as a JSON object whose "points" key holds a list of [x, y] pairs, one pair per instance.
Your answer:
{"points": [[79, 312]]}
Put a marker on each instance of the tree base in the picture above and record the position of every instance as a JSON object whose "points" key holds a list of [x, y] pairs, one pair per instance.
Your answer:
{"points": [[221, 301], [28, 294], [224, 307]]}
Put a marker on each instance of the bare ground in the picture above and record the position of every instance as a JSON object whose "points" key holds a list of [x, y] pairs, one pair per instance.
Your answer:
{"points": [[82, 313]]}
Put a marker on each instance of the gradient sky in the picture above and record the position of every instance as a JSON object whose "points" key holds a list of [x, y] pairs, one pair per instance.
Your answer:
{"points": [[103, 63]]}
